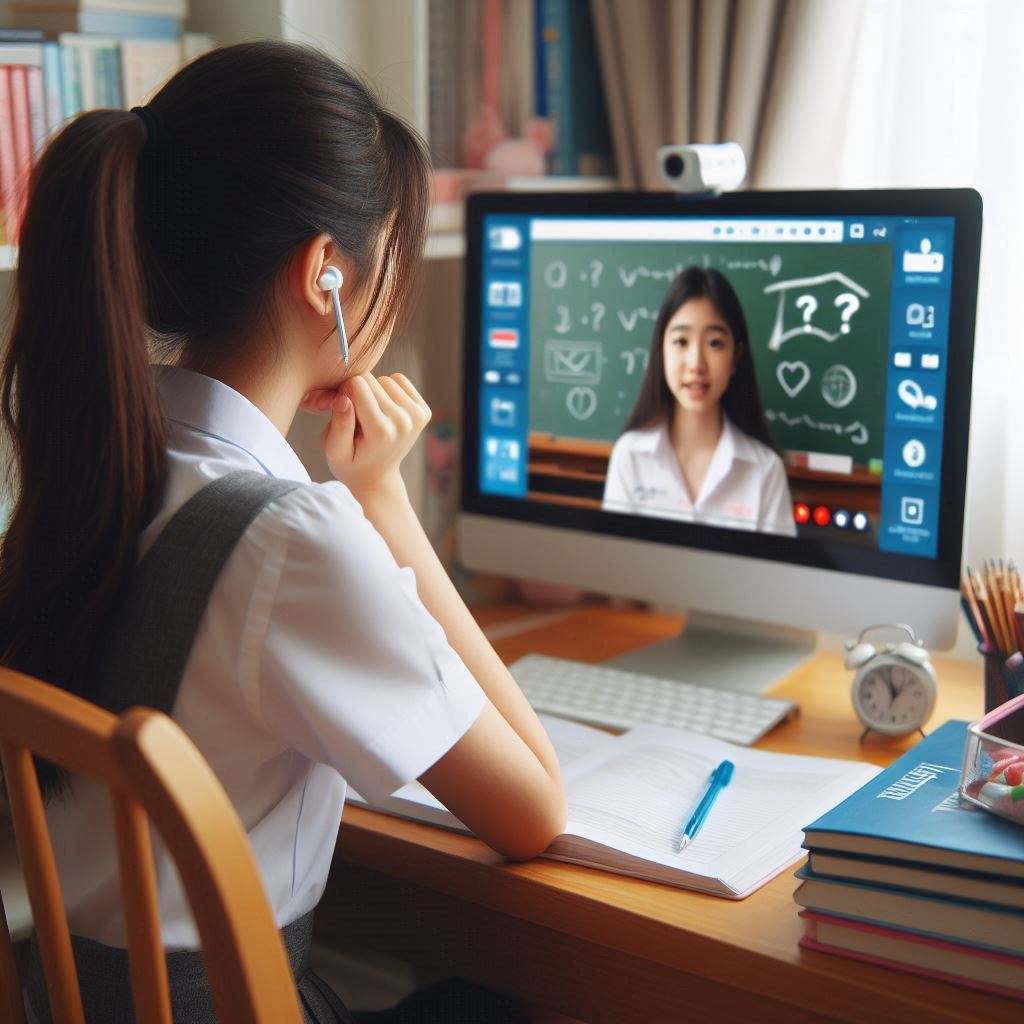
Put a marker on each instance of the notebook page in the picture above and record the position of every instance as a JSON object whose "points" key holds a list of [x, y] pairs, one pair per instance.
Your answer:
{"points": [[637, 795]]}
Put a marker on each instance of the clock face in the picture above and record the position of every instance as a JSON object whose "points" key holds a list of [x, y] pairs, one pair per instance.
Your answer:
{"points": [[893, 698]]}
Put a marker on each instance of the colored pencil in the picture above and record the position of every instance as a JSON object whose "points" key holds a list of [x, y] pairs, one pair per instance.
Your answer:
{"points": [[992, 597]]}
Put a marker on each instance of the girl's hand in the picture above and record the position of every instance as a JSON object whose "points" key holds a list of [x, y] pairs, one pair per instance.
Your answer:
{"points": [[374, 422]]}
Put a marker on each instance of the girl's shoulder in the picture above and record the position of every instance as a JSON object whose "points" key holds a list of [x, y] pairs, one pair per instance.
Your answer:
{"points": [[321, 520]]}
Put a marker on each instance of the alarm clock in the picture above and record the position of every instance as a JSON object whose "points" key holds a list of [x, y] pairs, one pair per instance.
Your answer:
{"points": [[893, 690]]}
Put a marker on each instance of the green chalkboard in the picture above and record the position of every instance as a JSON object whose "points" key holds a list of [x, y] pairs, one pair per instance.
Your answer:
{"points": [[818, 316]]}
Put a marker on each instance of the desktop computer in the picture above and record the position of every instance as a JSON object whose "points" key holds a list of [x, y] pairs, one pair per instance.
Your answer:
{"points": [[833, 497]]}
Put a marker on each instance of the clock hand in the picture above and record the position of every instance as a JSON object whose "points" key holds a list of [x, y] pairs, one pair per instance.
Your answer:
{"points": [[886, 674]]}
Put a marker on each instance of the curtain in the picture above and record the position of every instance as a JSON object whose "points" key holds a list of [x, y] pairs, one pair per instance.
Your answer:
{"points": [[683, 71], [915, 94]]}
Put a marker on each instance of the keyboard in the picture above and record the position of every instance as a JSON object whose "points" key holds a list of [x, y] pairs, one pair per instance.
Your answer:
{"points": [[620, 700]]}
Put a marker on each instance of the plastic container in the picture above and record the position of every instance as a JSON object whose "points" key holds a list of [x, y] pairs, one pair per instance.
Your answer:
{"points": [[993, 771]]}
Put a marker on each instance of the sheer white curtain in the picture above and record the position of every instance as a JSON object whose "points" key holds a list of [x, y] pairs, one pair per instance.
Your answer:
{"points": [[925, 93]]}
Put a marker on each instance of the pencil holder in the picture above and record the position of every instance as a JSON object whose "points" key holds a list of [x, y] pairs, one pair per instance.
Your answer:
{"points": [[996, 692], [992, 777]]}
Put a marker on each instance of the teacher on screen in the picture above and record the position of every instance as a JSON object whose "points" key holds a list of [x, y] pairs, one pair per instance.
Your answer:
{"points": [[696, 445]]}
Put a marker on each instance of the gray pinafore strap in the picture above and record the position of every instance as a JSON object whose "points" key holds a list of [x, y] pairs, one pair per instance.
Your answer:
{"points": [[151, 635], [142, 661]]}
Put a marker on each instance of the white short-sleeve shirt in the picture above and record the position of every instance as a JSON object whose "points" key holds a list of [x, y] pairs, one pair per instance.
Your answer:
{"points": [[315, 666], [745, 486]]}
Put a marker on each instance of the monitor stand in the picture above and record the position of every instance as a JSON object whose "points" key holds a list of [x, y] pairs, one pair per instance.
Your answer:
{"points": [[722, 652]]}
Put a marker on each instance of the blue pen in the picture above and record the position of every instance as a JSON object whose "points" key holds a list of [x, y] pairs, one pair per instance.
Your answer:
{"points": [[719, 780]]}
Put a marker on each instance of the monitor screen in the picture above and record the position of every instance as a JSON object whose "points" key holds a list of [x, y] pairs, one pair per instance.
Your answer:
{"points": [[782, 377]]}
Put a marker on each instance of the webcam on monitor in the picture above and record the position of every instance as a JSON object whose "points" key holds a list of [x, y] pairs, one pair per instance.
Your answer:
{"points": [[703, 168]]}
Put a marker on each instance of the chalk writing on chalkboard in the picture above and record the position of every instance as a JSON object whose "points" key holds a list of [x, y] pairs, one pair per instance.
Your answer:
{"points": [[629, 318], [838, 386], [593, 306], [581, 402], [799, 294], [572, 362], [855, 432]]}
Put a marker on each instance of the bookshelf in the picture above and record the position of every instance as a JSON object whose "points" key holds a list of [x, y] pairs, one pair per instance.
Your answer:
{"points": [[388, 42]]}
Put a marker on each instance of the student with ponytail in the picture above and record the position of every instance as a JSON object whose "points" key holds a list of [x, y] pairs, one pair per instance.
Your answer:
{"points": [[330, 648]]}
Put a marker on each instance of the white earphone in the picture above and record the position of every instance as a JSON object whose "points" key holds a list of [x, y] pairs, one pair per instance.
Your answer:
{"points": [[331, 281]]}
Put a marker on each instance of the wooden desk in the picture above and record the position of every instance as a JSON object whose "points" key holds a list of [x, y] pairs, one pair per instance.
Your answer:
{"points": [[608, 949]]}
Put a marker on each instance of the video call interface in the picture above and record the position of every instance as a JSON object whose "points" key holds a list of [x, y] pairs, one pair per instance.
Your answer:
{"points": [[847, 323]]}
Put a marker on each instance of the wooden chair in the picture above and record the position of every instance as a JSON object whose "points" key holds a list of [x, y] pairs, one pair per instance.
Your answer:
{"points": [[154, 773]]}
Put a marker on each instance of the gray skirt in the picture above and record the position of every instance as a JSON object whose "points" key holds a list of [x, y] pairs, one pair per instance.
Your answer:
{"points": [[104, 978]]}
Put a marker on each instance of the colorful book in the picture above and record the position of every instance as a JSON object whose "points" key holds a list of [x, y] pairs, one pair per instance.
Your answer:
{"points": [[22, 54], [70, 81], [8, 163], [21, 123], [102, 23], [52, 87], [968, 885], [24, 9], [95, 66], [918, 954], [21, 35], [145, 65], [978, 924], [631, 795], [37, 107], [911, 812], [574, 91]]}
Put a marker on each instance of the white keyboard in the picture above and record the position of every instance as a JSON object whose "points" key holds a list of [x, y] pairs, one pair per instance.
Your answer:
{"points": [[621, 700]]}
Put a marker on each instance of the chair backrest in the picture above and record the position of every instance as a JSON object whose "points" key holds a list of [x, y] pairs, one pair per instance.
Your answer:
{"points": [[154, 773]]}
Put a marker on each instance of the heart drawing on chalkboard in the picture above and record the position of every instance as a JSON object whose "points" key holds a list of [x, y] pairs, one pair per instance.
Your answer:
{"points": [[793, 377]]}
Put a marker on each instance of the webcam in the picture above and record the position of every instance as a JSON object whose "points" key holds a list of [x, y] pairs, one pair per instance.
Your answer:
{"points": [[703, 168]]}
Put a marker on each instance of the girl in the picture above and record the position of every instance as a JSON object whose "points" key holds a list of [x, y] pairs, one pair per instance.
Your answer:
{"points": [[696, 445], [333, 649]]}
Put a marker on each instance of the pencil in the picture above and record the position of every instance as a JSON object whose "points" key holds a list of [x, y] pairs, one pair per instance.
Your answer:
{"points": [[998, 607], [992, 626], [971, 612], [1007, 601]]}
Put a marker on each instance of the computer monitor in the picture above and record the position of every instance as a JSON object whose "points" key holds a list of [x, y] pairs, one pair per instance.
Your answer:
{"points": [[834, 498]]}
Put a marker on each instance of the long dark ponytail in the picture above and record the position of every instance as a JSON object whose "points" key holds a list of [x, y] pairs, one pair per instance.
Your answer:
{"points": [[741, 401], [78, 400], [173, 226]]}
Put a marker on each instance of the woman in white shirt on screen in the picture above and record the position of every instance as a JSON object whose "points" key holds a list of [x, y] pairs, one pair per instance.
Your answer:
{"points": [[333, 650], [696, 445]]}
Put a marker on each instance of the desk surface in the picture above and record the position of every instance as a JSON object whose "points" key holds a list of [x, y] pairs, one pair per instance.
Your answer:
{"points": [[605, 948]]}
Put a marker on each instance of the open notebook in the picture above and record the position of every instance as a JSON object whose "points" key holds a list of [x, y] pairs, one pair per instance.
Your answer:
{"points": [[631, 795]]}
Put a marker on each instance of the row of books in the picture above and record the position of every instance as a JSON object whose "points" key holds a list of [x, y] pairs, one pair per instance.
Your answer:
{"points": [[49, 74], [902, 875], [517, 70]]}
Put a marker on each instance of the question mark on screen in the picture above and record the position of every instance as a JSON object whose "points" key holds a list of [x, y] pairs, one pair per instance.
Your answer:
{"points": [[596, 269], [808, 303], [597, 308], [850, 304]]}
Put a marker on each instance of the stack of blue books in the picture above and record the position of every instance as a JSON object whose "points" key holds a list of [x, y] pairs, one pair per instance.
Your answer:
{"points": [[900, 874]]}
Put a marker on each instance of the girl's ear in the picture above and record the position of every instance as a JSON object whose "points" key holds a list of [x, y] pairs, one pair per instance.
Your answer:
{"points": [[308, 264]]}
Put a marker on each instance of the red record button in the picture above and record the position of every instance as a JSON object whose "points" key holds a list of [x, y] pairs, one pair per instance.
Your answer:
{"points": [[822, 516], [801, 512]]}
